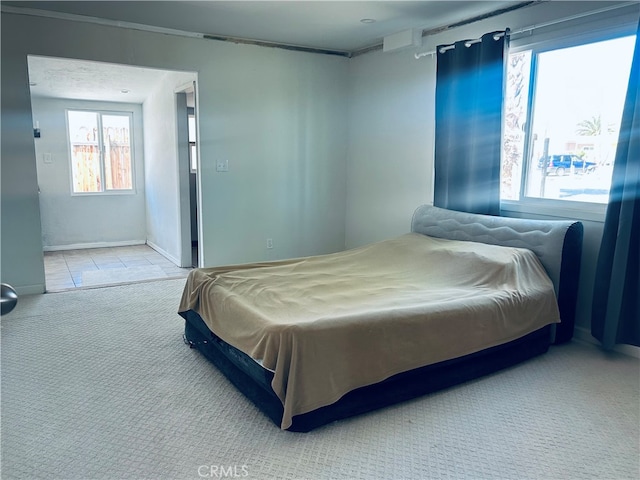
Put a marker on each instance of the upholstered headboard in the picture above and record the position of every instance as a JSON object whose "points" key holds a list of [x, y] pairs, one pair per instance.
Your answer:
{"points": [[557, 243]]}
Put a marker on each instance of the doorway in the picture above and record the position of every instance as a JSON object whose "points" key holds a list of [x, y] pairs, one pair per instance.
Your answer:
{"points": [[188, 166], [149, 214]]}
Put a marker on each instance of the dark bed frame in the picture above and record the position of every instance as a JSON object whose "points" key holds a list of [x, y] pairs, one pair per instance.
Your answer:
{"points": [[558, 245]]}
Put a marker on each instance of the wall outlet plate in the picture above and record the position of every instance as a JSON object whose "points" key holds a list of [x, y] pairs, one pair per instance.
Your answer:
{"points": [[222, 166]]}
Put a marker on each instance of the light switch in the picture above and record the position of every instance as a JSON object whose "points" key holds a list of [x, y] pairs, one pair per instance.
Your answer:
{"points": [[222, 166], [47, 158]]}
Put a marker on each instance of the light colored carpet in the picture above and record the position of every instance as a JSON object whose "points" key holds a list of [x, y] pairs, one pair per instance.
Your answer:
{"points": [[97, 384], [110, 276]]}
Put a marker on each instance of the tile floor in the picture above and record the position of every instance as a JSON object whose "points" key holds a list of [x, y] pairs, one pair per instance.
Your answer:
{"points": [[95, 267]]}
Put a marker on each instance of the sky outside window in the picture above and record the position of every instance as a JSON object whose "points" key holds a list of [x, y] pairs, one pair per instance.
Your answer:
{"points": [[579, 98]]}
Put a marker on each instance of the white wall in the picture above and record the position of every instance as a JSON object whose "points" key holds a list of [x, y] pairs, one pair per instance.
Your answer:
{"points": [[22, 260], [391, 141], [163, 226], [278, 116], [83, 221], [280, 119]]}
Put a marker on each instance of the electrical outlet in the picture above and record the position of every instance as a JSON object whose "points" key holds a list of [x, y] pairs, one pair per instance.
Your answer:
{"points": [[269, 243], [222, 165]]}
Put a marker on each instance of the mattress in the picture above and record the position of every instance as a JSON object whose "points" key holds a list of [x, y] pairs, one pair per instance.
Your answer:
{"points": [[255, 382], [329, 324]]}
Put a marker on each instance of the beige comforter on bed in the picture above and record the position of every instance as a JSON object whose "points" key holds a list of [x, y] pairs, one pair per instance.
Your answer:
{"points": [[328, 324]]}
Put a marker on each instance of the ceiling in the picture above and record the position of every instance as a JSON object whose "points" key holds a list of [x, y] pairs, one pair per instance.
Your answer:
{"points": [[96, 81], [334, 26], [327, 25]]}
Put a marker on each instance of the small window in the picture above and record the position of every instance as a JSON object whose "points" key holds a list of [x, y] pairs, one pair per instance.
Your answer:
{"points": [[563, 110], [193, 152], [101, 153]]}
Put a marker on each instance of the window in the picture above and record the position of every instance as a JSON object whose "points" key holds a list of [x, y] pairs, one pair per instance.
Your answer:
{"points": [[563, 109], [101, 153], [193, 153]]}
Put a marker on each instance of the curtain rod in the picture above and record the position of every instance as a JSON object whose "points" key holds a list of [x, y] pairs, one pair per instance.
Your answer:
{"points": [[417, 56], [467, 43]]}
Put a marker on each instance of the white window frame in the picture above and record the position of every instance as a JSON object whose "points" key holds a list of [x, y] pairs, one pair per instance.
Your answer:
{"points": [[100, 113], [606, 26]]}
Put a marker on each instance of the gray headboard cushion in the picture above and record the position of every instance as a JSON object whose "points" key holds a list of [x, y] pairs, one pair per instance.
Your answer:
{"points": [[557, 243]]}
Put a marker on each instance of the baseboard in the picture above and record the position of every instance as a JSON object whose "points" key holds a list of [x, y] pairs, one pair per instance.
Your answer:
{"points": [[583, 335], [82, 246], [164, 253], [29, 289]]}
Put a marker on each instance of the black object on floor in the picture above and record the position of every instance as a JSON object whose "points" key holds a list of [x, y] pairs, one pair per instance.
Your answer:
{"points": [[9, 299]]}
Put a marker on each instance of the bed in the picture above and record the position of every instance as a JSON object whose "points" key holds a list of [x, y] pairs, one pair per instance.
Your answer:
{"points": [[316, 339]]}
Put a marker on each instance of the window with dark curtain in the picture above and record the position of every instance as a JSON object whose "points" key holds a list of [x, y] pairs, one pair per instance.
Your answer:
{"points": [[470, 79]]}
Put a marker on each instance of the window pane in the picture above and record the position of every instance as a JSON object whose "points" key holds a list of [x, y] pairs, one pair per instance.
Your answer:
{"points": [[579, 97], [117, 150], [85, 152], [193, 157], [192, 128]]}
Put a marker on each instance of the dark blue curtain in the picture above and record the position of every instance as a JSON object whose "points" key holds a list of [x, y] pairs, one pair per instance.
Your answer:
{"points": [[470, 77], [616, 296]]}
